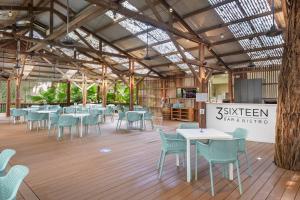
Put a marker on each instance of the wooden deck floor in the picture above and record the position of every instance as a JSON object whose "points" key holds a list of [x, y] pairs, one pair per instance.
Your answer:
{"points": [[76, 169]]}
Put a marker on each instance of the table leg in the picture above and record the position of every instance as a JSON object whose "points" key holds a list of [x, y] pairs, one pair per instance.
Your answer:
{"points": [[177, 160], [80, 126], [188, 160], [230, 168]]}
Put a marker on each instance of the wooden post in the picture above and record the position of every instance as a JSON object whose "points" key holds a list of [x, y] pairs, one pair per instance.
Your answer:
{"points": [[104, 85], [137, 93], [287, 140], [203, 87], [98, 93], [18, 95], [230, 89], [68, 93], [84, 90], [8, 100], [131, 84], [51, 16]]}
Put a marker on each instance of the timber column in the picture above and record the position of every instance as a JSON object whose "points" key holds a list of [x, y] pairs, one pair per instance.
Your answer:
{"points": [[104, 85], [8, 98], [131, 84]]}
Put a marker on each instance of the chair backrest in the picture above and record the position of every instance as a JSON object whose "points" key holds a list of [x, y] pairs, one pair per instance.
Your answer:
{"points": [[54, 117], [12, 181], [241, 135], [223, 150], [109, 110], [69, 110], [163, 139], [92, 119], [121, 115], [5, 156], [133, 116], [67, 120], [17, 112], [34, 116], [191, 125]]}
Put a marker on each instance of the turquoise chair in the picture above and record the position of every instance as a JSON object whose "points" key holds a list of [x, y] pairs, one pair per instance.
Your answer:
{"points": [[54, 118], [66, 121], [148, 117], [109, 112], [9, 184], [5, 156], [133, 118], [218, 152], [35, 117], [17, 112], [171, 144], [121, 117], [188, 125], [92, 120], [70, 109], [240, 134]]}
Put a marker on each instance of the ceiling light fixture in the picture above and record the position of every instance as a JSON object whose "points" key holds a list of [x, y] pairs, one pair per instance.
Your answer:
{"points": [[274, 31], [222, 36], [10, 13], [170, 10]]}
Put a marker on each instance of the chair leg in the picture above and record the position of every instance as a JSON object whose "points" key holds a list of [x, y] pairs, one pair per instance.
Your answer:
{"points": [[196, 164], [211, 180], [162, 162], [159, 160], [117, 125], [249, 165], [152, 124], [99, 129], [238, 176]]}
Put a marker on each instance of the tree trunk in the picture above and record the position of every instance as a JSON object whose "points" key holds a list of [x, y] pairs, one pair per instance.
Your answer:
{"points": [[287, 147]]}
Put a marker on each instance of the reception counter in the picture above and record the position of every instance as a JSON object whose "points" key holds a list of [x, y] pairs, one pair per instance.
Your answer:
{"points": [[258, 119]]}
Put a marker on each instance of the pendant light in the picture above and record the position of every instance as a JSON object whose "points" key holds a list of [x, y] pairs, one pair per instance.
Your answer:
{"points": [[67, 40], [274, 31], [147, 57], [251, 64]]}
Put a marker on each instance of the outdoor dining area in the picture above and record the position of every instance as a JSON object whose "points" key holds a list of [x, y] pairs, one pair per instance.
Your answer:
{"points": [[149, 99]]}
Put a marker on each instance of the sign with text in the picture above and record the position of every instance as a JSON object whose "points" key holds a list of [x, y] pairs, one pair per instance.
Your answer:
{"points": [[258, 119], [201, 97]]}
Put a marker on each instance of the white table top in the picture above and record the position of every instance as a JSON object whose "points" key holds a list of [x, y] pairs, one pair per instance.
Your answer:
{"points": [[46, 111], [206, 134], [77, 114], [137, 111], [98, 108], [30, 109]]}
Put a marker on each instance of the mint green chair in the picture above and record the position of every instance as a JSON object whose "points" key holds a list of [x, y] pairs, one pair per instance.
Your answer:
{"points": [[218, 152], [92, 120], [188, 125], [35, 117], [170, 145], [9, 184], [54, 118], [66, 121], [240, 134], [148, 117], [121, 117], [18, 112], [69, 109], [133, 118], [5, 157], [109, 112]]}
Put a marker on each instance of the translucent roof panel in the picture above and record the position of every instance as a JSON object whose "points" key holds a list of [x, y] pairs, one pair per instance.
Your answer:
{"points": [[143, 37], [262, 24], [142, 71], [109, 49], [68, 52], [35, 35], [229, 12], [270, 41], [159, 35], [174, 58], [93, 41], [254, 7], [240, 29], [84, 57], [165, 48], [183, 66], [250, 44]]}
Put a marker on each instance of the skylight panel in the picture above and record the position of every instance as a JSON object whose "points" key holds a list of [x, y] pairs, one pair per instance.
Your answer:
{"points": [[93, 41], [188, 55], [143, 37], [183, 66], [142, 71], [254, 7], [35, 35], [84, 57], [129, 6], [165, 48], [262, 24], [263, 63], [213, 2], [68, 52], [257, 54], [240, 29], [73, 36], [109, 49], [271, 41], [82, 33], [119, 60], [95, 66], [274, 52], [114, 16], [174, 58], [277, 61], [229, 12], [159, 35], [248, 44], [131, 25]]}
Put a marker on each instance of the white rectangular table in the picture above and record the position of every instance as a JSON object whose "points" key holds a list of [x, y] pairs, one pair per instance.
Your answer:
{"points": [[196, 134], [142, 112], [80, 116]]}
